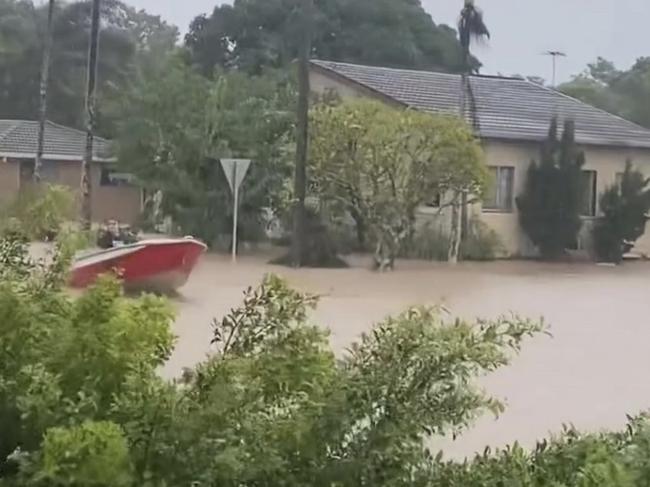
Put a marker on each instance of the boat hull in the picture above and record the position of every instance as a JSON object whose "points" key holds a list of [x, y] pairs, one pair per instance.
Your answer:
{"points": [[157, 265]]}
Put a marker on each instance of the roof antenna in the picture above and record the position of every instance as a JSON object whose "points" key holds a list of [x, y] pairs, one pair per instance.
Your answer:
{"points": [[554, 55]]}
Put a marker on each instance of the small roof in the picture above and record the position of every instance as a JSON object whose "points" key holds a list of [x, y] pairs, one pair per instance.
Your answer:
{"points": [[19, 139], [506, 108]]}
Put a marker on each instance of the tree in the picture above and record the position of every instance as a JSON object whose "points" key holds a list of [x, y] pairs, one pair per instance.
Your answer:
{"points": [[625, 206], [381, 164], [45, 73], [91, 93], [470, 27], [624, 93], [549, 207], [130, 39], [254, 34], [176, 125]]}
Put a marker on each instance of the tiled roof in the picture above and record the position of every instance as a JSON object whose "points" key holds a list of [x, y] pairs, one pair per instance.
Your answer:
{"points": [[19, 138], [506, 108]]}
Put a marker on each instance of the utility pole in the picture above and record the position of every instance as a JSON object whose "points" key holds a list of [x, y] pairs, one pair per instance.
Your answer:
{"points": [[45, 76], [554, 55], [86, 165], [302, 135]]}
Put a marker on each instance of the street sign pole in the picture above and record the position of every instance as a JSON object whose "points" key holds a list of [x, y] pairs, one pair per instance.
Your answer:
{"points": [[235, 171], [235, 216]]}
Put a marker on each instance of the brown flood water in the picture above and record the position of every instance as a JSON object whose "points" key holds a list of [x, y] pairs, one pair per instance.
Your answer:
{"points": [[591, 373]]}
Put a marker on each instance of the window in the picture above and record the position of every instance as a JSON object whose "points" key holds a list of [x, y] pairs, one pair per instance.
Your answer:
{"points": [[49, 171], [110, 177], [588, 188], [498, 196]]}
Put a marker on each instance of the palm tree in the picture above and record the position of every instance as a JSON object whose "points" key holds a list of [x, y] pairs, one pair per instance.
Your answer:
{"points": [[45, 75], [471, 27], [86, 181], [302, 135]]}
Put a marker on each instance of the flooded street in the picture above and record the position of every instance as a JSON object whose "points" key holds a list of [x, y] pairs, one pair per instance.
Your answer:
{"points": [[590, 373]]}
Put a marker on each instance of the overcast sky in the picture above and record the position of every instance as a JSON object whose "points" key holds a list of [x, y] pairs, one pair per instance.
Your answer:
{"points": [[521, 30]]}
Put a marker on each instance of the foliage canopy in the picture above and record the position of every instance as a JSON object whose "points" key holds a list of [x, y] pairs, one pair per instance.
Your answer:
{"points": [[177, 125], [81, 403], [130, 39], [550, 206], [625, 206], [379, 164], [625, 93], [255, 34]]}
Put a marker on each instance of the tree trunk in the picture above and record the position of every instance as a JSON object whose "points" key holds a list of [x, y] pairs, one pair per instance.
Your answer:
{"points": [[360, 227], [459, 207], [302, 135], [86, 180], [45, 76], [464, 218], [456, 227]]}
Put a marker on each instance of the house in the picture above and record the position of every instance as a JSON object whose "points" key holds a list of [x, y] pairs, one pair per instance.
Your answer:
{"points": [[511, 116], [113, 197]]}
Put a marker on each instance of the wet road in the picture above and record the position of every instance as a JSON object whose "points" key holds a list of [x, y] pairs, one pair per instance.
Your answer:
{"points": [[590, 373]]}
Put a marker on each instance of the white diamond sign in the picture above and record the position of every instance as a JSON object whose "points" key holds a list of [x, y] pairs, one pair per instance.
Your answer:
{"points": [[235, 171]]}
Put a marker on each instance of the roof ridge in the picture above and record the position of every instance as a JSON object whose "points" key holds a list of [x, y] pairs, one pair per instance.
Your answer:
{"points": [[420, 71], [383, 68], [19, 121], [577, 100], [72, 129]]}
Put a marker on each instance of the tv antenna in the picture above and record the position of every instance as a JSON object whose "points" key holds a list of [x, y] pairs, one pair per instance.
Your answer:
{"points": [[554, 55]]}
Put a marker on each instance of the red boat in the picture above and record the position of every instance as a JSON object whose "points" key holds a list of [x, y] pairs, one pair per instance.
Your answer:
{"points": [[158, 265]]}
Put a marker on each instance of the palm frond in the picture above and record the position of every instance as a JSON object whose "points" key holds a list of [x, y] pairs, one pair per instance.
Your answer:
{"points": [[471, 25]]}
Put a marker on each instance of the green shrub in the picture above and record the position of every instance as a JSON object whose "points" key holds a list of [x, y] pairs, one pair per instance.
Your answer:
{"points": [[92, 454], [571, 460], [431, 243], [428, 242], [64, 359], [481, 243], [40, 213], [550, 205], [81, 403], [319, 249], [625, 208]]}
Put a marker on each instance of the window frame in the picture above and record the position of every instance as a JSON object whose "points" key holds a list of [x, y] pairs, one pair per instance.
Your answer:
{"points": [[510, 206], [121, 178], [593, 204]]}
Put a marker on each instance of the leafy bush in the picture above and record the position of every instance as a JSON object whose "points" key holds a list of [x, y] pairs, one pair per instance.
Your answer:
{"points": [[573, 459], [65, 360], [431, 243], [272, 406], [319, 249], [92, 454], [481, 242], [40, 213], [549, 207], [81, 403], [625, 207]]}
